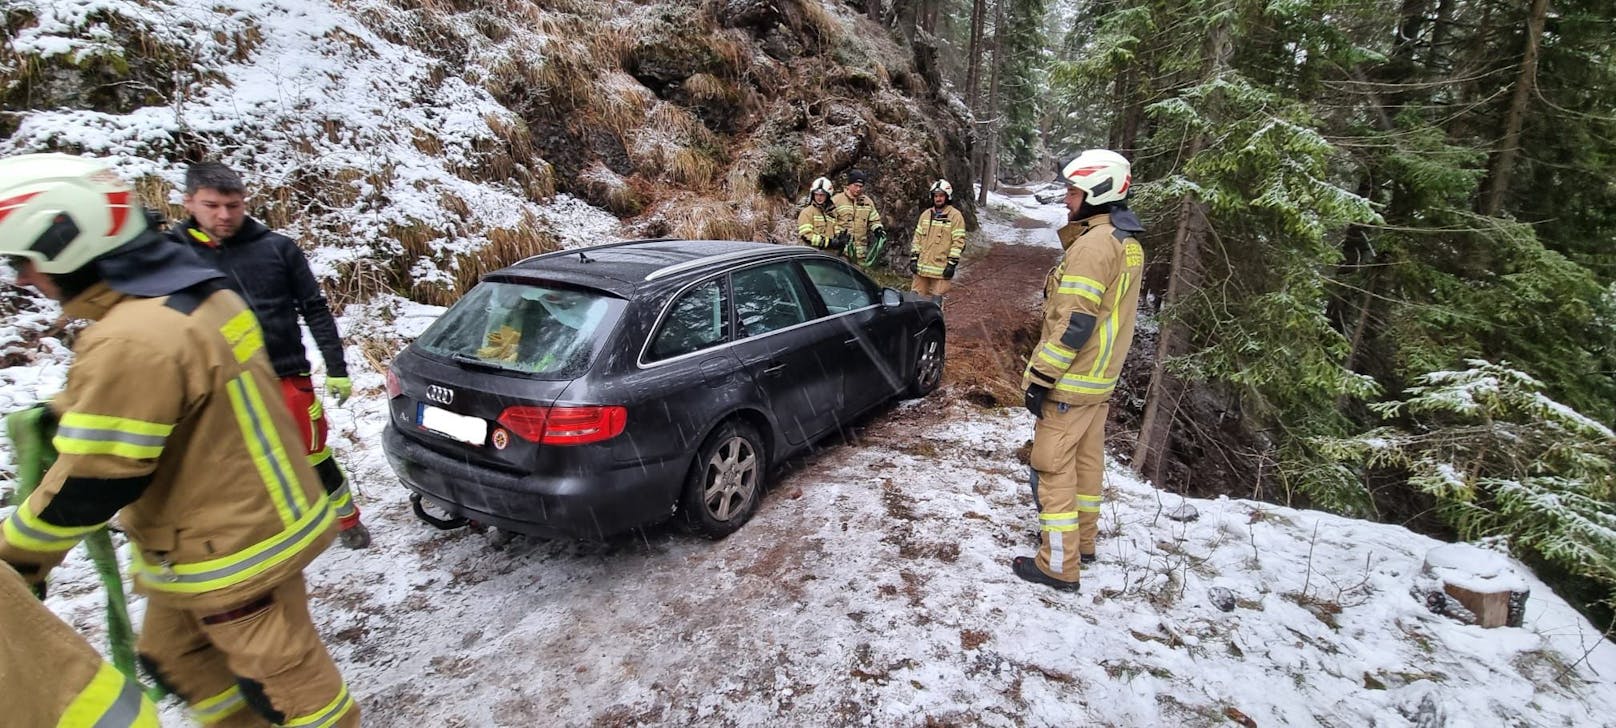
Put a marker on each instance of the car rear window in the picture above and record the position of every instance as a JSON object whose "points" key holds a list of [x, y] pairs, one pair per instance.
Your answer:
{"points": [[534, 329]]}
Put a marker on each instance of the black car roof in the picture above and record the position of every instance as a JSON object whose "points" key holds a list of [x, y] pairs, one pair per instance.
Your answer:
{"points": [[621, 268]]}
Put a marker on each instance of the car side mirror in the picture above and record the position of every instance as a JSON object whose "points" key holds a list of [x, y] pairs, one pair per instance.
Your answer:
{"points": [[890, 297]]}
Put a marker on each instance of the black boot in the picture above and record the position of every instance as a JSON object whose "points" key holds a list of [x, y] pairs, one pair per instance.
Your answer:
{"points": [[1027, 568]]}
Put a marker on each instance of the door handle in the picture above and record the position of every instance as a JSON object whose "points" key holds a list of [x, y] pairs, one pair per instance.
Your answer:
{"points": [[774, 369], [851, 342]]}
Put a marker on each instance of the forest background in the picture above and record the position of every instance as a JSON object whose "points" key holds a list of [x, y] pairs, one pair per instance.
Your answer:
{"points": [[1381, 245]]}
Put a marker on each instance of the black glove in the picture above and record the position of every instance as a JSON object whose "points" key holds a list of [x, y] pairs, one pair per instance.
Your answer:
{"points": [[842, 240], [948, 273], [914, 266], [1034, 399]]}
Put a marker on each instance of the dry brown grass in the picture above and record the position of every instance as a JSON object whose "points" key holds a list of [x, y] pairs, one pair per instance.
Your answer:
{"points": [[673, 145], [619, 102], [707, 87], [505, 246], [538, 180], [706, 220], [691, 167], [672, 121], [612, 45], [818, 21], [733, 49], [426, 142], [339, 189], [742, 176], [360, 280], [606, 186], [568, 70], [153, 192]]}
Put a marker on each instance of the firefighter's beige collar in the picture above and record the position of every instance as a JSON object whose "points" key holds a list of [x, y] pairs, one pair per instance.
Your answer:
{"points": [[93, 303], [1075, 229]]}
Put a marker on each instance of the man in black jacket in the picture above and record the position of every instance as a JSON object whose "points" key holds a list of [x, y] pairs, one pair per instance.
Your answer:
{"points": [[269, 271]]}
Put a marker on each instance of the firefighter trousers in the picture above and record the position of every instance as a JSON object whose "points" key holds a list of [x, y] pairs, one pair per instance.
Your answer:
{"points": [[49, 676], [927, 286], [1068, 464], [256, 665]]}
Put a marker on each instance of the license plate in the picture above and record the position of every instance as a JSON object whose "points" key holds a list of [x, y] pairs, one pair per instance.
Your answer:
{"points": [[473, 430]]}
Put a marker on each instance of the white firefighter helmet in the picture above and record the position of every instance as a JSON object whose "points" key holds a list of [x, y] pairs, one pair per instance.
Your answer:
{"points": [[62, 211], [821, 185], [944, 187], [1103, 175]]}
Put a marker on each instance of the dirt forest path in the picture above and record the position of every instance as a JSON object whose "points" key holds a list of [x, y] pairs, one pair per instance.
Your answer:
{"points": [[993, 310]]}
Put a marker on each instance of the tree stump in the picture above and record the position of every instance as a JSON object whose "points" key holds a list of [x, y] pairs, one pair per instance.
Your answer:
{"points": [[1486, 582]]}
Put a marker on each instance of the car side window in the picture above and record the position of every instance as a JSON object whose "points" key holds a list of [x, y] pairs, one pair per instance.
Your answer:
{"points": [[769, 298], [695, 322], [840, 288]]}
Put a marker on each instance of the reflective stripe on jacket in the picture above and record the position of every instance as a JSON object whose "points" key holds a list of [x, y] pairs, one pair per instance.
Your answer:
{"points": [[176, 410], [1098, 275], [52, 676], [858, 217], [816, 226], [939, 240]]}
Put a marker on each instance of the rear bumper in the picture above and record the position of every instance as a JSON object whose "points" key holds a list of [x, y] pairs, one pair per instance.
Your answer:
{"points": [[593, 505]]}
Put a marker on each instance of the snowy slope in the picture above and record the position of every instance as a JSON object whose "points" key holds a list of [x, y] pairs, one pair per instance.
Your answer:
{"points": [[353, 138], [873, 589]]}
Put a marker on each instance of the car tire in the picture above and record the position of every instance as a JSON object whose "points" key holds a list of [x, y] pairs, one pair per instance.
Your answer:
{"points": [[927, 372], [726, 482]]}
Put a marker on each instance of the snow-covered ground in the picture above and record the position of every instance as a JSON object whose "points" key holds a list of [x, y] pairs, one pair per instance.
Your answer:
{"points": [[1022, 220], [873, 588]]}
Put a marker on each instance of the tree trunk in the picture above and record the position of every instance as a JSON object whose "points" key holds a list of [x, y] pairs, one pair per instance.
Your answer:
{"points": [[1437, 53], [1155, 428], [990, 166], [1503, 166], [973, 73]]}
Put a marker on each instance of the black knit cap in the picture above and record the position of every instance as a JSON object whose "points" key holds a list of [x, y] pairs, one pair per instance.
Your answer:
{"points": [[857, 177]]}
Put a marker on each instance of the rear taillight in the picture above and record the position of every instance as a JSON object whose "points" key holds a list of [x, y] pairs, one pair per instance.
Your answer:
{"points": [[524, 422], [394, 388], [564, 425]]}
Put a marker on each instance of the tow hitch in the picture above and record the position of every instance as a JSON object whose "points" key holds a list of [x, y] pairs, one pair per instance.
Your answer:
{"points": [[442, 524]]}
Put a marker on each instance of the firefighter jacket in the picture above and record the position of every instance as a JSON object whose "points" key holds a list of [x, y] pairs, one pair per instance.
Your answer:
{"points": [[268, 270], [858, 217], [1098, 276], [172, 418], [939, 240], [52, 677], [816, 225]]}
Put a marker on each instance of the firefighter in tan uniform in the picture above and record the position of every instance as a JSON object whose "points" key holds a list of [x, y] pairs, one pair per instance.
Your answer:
{"points": [[939, 241], [816, 224], [52, 677], [858, 223], [1091, 298], [170, 419]]}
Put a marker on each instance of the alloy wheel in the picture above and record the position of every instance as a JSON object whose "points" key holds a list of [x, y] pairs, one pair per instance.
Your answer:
{"points": [[731, 479], [929, 367]]}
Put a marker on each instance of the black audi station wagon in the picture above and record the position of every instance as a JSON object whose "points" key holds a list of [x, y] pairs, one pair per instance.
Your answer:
{"points": [[586, 392]]}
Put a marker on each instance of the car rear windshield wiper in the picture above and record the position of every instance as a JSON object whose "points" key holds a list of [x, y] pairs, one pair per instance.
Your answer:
{"points": [[471, 362]]}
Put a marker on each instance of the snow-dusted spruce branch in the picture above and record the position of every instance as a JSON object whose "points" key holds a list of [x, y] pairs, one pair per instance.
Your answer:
{"points": [[1503, 459]]}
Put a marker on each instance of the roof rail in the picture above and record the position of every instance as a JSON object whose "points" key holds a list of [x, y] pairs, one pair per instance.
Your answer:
{"points": [[585, 249], [666, 271]]}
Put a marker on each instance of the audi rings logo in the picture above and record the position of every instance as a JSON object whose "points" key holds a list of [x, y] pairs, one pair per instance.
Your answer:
{"points": [[441, 395]]}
